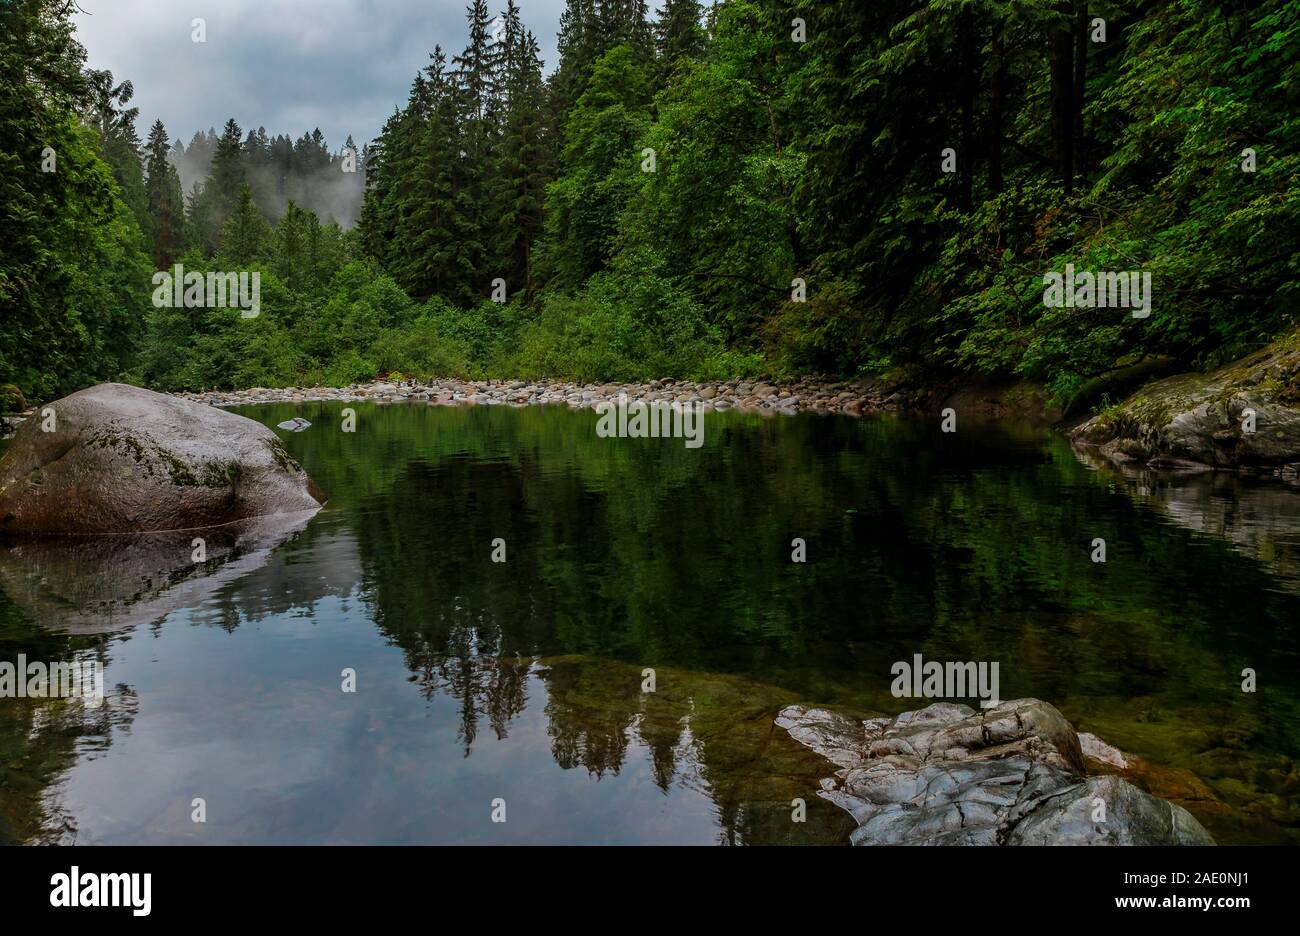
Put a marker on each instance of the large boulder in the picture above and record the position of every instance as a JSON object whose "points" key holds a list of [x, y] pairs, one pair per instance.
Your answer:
{"points": [[119, 459], [1012, 775]]}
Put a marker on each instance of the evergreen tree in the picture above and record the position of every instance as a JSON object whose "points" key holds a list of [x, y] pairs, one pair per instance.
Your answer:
{"points": [[600, 166], [72, 260], [521, 172], [245, 236], [474, 65], [119, 142], [291, 250], [224, 186], [471, 90], [165, 199], [678, 35]]}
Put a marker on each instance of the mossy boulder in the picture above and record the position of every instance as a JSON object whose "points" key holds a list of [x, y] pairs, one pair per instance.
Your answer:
{"points": [[1243, 415], [11, 399], [119, 459]]}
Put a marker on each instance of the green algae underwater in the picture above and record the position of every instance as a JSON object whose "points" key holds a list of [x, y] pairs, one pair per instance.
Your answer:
{"points": [[523, 680]]}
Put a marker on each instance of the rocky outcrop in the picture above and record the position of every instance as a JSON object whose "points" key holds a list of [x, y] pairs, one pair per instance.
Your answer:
{"points": [[1012, 775], [1244, 415], [119, 459]]}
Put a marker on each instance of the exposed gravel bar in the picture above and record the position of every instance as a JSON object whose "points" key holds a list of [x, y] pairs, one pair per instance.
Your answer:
{"points": [[848, 398]]}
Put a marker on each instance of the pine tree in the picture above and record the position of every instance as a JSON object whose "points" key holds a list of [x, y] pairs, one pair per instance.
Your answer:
{"points": [[378, 222], [678, 35], [474, 65], [222, 190], [198, 220], [471, 90], [165, 199], [228, 177], [520, 176], [119, 142], [292, 263], [245, 237], [578, 48]]}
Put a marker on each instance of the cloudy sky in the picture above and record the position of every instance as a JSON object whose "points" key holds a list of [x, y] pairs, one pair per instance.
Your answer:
{"points": [[287, 65]]}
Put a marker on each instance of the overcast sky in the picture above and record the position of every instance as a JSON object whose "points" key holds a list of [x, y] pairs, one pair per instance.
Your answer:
{"points": [[287, 65]]}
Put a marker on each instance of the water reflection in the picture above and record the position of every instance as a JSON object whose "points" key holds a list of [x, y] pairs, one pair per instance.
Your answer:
{"points": [[108, 584], [523, 680], [1259, 516]]}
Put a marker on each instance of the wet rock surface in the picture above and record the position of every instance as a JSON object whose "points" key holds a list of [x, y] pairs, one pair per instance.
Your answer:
{"points": [[1015, 774], [118, 459]]}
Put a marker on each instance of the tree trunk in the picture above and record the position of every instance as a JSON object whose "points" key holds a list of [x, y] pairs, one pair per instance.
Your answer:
{"points": [[1080, 84], [970, 80], [997, 99], [1062, 83]]}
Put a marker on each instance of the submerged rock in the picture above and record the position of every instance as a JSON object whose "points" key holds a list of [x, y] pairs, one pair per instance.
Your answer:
{"points": [[1244, 415], [119, 459], [1012, 775]]}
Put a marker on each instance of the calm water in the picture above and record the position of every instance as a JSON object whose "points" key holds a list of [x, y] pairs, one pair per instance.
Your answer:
{"points": [[522, 680]]}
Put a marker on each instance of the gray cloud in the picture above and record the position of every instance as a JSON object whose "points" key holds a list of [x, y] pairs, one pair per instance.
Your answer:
{"points": [[287, 65]]}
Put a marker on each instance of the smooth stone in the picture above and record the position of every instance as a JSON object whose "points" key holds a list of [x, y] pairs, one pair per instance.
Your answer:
{"points": [[121, 459]]}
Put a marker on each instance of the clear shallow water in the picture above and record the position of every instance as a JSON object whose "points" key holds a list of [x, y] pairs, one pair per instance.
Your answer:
{"points": [[522, 680]]}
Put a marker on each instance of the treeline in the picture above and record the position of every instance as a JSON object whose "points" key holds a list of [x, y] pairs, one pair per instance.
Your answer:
{"points": [[909, 169], [90, 211], [832, 187], [278, 175], [280, 170]]}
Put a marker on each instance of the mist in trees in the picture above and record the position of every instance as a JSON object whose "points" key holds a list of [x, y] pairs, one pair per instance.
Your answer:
{"points": [[278, 169]]}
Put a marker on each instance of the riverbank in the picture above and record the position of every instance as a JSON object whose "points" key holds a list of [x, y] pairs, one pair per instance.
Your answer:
{"points": [[850, 398]]}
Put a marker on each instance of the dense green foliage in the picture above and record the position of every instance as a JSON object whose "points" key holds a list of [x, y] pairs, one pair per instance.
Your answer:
{"points": [[837, 187], [71, 253], [1107, 135]]}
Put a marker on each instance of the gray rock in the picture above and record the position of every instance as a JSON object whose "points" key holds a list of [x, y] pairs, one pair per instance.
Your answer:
{"points": [[836, 737], [119, 459], [1096, 749], [1200, 419], [948, 775], [1127, 817]]}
